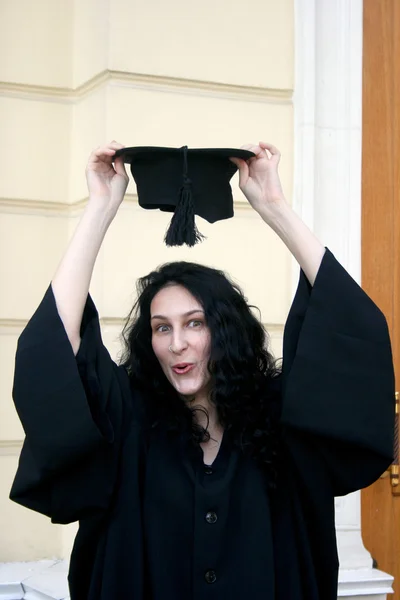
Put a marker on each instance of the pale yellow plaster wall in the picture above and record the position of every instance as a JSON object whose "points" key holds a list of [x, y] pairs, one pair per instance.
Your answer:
{"points": [[91, 31], [10, 426], [231, 42], [36, 42], [25, 535], [30, 249], [35, 148], [88, 130], [242, 246], [81, 72]]}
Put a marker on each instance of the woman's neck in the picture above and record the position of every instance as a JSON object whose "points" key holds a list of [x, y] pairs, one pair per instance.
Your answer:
{"points": [[207, 415]]}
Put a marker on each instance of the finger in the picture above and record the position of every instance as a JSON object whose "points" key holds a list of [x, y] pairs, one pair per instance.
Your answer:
{"points": [[115, 145], [103, 150], [272, 149], [269, 146], [100, 160], [243, 170], [120, 168], [253, 148], [103, 153], [107, 149]]}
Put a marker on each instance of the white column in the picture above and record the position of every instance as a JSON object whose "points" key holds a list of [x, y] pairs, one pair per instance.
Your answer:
{"points": [[327, 194]]}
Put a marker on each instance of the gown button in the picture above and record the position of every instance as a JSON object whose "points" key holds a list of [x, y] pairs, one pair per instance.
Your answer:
{"points": [[210, 576], [208, 471], [211, 517]]}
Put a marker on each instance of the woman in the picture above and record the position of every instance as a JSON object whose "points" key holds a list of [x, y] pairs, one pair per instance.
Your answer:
{"points": [[196, 468]]}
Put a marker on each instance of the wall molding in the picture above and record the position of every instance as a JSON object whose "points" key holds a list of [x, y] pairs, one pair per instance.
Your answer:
{"points": [[47, 207], [148, 82], [38, 207], [10, 447], [72, 209], [12, 326], [370, 584]]}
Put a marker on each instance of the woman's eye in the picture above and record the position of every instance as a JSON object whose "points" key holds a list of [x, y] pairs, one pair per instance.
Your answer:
{"points": [[162, 328], [195, 323]]}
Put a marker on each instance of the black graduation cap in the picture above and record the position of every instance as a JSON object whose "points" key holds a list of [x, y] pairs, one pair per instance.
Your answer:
{"points": [[184, 181]]}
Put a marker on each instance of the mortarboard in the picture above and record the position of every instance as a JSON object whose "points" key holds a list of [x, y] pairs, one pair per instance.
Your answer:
{"points": [[184, 181]]}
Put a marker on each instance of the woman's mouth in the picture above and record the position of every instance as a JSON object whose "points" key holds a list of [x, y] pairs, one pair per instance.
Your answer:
{"points": [[182, 368]]}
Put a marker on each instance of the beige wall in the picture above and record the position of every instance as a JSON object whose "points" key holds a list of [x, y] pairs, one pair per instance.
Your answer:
{"points": [[81, 73]]}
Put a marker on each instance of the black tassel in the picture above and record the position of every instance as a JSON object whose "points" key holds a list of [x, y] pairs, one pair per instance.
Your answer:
{"points": [[182, 229]]}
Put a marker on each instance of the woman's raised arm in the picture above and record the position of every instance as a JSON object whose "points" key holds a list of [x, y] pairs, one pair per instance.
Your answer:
{"points": [[107, 183], [260, 183]]}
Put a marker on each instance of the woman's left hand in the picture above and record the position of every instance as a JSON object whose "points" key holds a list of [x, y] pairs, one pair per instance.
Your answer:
{"points": [[259, 179], [260, 183]]}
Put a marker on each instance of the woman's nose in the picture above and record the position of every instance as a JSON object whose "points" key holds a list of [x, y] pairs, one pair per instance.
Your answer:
{"points": [[179, 342]]}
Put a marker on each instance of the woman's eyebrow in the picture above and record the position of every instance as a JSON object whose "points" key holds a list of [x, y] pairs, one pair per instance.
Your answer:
{"points": [[187, 314]]}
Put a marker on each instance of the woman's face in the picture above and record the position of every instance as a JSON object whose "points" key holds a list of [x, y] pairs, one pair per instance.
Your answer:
{"points": [[181, 340]]}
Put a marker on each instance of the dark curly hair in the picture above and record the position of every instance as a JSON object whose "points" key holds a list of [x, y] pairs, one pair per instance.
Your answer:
{"points": [[244, 373]]}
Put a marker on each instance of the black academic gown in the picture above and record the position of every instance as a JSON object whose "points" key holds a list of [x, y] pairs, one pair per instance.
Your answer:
{"points": [[155, 522]]}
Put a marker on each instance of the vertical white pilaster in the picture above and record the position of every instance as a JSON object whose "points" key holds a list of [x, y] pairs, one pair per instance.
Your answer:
{"points": [[327, 194]]}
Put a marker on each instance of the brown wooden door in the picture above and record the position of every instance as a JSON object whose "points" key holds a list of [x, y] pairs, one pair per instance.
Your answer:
{"points": [[381, 239]]}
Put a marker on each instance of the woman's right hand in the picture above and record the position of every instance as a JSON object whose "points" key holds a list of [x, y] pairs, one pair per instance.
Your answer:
{"points": [[107, 179]]}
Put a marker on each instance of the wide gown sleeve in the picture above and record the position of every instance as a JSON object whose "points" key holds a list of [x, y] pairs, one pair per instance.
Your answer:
{"points": [[338, 379], [73, 411]]}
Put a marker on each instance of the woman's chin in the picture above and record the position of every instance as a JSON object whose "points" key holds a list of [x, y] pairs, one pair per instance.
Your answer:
{"points": [[187, 388], [188, 391]]}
